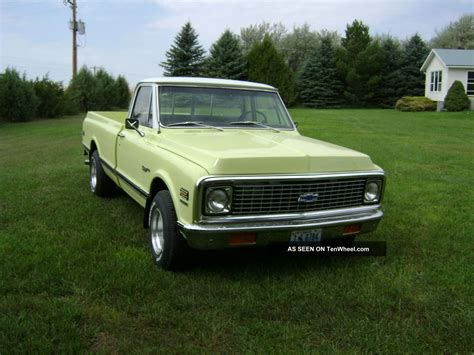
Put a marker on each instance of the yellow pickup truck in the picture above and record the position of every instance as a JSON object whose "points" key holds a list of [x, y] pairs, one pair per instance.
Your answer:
{"points": [[220, 163]]}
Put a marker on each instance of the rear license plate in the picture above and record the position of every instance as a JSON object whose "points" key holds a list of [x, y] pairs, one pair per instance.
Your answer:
{"points": [[306, 237]]}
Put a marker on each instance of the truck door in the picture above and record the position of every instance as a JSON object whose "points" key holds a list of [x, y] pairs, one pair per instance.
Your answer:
{"points": [[133, 150]]}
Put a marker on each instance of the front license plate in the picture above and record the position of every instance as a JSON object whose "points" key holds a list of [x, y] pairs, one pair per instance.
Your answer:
{"points": [[306, 237]]}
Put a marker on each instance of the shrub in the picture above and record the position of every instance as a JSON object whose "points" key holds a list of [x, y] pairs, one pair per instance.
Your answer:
{"points": [[50, 96], [99, 92], [415, 104], [123, 92], [456, 99], [83, 90], [106, 91], [18, 101]]}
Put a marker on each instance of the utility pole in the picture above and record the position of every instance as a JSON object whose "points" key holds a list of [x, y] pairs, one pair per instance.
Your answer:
{"points": [[75, 26], [74, 37]]}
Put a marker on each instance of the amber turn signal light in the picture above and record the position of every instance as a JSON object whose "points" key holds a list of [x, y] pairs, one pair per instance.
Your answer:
{"points": [[242, 239], [351, 229]]}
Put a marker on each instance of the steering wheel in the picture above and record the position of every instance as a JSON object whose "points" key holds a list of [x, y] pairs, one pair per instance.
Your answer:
{"points": [[256, 111]]}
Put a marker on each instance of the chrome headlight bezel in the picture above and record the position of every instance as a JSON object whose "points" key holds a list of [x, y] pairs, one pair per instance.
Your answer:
{"points": [[373, 191], [211, 206]]}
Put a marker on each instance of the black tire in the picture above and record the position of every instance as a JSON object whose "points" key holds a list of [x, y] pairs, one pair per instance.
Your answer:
{"points": [[99, 183], [170, 251]]}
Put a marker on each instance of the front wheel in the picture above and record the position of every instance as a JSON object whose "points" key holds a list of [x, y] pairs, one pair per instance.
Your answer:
{"points": [[168, 248]]}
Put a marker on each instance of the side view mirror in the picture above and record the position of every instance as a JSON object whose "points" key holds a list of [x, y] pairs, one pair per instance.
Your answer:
{"points": [[296, 124], [133, 123]]}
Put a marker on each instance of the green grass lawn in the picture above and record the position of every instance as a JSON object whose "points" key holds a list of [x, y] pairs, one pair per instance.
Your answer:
{"points": [[76, 273]]}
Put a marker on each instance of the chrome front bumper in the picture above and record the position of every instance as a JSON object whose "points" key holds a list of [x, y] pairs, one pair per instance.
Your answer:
{"points": [[214, 233]]}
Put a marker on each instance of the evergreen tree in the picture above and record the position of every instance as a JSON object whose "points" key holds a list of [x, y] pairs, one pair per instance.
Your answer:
{"points": [[266, 65], [50, 96], [186, 55], [106, 91], [83, 90], [356, 41], [392, 81], [319, 84], [415, 52], [226, 60], [122, 92], [353, 44], [360, 63], [18, 101]]}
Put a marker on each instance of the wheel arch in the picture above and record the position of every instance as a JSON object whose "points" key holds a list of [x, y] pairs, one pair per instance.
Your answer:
{"points": [[93, 147], [157, 185]]}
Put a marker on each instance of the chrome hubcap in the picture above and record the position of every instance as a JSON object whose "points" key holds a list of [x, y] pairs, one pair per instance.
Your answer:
{"points": [[157, 234], [93, 181]]}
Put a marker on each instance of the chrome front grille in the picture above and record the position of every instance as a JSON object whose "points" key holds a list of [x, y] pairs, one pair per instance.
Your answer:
{"points": [[286, 196]]}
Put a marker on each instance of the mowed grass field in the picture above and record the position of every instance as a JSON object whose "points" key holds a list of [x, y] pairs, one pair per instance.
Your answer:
{"points": [[76, 274]]}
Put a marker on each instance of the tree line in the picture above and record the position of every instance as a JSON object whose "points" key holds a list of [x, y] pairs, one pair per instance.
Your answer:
{"points": [[22, 99], [317, 69]]}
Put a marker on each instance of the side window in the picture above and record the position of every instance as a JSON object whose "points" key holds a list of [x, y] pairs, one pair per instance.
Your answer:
{"points": [[142, 110]]}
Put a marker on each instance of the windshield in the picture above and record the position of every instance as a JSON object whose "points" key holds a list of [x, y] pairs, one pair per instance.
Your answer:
{"points": [[222, 108]]}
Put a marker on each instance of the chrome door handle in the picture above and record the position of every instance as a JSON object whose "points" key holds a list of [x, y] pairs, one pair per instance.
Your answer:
{"points": [[121, 135]]}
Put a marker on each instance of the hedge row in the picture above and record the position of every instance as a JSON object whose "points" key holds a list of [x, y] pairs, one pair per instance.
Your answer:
{"points": [[23, 100]]}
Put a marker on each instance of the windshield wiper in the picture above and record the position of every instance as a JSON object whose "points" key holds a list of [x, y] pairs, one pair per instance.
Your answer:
{"points": [[190, 123], [246, 123]]}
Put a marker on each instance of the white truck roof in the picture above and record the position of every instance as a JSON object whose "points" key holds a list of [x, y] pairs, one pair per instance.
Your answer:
{"points": [[185, 81]]}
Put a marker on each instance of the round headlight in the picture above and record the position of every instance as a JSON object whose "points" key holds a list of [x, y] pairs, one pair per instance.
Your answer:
{"points": [[217, 201], [371, 192]]}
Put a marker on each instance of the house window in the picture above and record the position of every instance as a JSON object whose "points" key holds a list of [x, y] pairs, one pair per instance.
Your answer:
{"points": [[436, 80], [470, 83]]}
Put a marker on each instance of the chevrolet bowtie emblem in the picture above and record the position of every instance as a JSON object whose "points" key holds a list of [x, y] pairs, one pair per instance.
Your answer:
{"points": [[308, 198]]}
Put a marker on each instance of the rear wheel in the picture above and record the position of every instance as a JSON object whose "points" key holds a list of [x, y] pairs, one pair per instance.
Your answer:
{"points": [[100, 184], [168, 248]]}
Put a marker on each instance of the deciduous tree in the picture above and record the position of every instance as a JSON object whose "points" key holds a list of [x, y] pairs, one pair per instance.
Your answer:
{"points": [[458, 34]]}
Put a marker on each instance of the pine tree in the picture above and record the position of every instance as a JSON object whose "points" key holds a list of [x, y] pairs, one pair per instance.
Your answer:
{"points": [[391, 88], [319, 84], [415, 53], [122, 92], [226, 60], [266, 65], [360, 63], [186, 55]]}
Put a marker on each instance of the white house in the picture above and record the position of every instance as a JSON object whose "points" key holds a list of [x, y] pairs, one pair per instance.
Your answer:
{"points": [[443, 67]]}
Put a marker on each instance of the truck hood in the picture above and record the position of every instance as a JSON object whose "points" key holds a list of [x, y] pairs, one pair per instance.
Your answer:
{"points": [[261, 152]]}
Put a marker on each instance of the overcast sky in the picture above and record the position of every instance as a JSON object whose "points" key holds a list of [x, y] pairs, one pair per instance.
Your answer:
{"points": [[131, 37]]}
